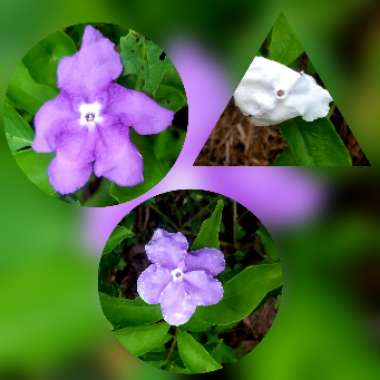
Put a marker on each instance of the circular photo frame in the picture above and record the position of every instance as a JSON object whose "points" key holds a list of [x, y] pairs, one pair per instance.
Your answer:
{"points": [[95, 115], [190, 281]]}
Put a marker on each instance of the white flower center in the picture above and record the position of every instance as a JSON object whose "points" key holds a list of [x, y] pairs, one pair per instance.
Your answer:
{"points": [[90, 114], [177, 274]]}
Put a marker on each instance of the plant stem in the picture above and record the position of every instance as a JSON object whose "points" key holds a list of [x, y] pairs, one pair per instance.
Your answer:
{"points": [[171, 349]]}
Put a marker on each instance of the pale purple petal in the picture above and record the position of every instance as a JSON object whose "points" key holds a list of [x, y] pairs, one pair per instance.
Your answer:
{"points": [[137, 110], [91, 35], [77, 143], [208, 259], [72, 166], [49, 121], [92, 69], [152, 282], [166, 248], [176, 305], [117, 159], [68, 176], [203, 289]]}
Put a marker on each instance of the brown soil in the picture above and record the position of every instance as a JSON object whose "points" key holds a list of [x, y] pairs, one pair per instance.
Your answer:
{"points": [[250, 332], [237, 141]]}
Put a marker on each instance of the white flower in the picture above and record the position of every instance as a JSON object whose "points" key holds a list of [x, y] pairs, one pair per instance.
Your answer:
{"points": [[271, 93]]}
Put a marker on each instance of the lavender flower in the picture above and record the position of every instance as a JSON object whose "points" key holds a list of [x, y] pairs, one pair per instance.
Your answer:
{"points": [[180, 280], [88, 123]]}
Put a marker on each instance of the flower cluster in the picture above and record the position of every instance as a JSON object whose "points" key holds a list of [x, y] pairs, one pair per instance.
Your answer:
{"points": [[271, 93], [88, 123], [179, 280]]}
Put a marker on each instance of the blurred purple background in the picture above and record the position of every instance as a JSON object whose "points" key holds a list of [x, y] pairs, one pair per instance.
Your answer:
{"points": [[325, 223]]}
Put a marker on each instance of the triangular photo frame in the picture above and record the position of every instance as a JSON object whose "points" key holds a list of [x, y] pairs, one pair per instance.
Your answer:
{"points": [[281, 114]]}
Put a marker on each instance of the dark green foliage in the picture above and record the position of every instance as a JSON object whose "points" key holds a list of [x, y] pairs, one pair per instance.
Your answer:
{"points": [[316, 143], [252, 276]]}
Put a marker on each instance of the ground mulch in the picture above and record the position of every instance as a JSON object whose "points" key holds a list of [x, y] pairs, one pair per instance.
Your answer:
{"points": [[237, 141]]}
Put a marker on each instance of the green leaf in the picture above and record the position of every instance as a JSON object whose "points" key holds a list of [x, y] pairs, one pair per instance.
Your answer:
{"points": [[18, 132], [176, 369], [196, 325], [195, 357], [243, 294], [171, 93], [148, 69], [142, 339], [119, 234], [170, 97], [155, 363], [239, 231], [167, 146], [285, 158], [268, 243], [142, 58], [284, 46], [156, 67], [101, 197], [224, 354], [43, 59], [316, 143], [132, 49], [35, 166], [208, 235], [25, 93], [125, 312], [225, 327]]}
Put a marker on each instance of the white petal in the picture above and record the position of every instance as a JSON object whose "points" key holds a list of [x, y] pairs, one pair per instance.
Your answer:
{"points": [[272, 93]]}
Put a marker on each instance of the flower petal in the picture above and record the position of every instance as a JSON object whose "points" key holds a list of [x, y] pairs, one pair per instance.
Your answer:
{"points": [[68, 176], [72, 166], [92, 69], [77, 143], [203, 288], [152, 282], [117, 158], [166, 248], [50, 120], [208, 259], [138, 110], [176, 305], [271, 93], [91, 35], [311, 100]]}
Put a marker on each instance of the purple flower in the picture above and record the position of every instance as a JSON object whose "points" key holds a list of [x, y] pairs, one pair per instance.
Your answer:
{"points": [[88, 123], [180, 280]]}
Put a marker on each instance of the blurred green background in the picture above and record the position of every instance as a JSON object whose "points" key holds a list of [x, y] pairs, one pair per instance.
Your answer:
{"points": [[51, 326]]}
